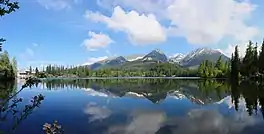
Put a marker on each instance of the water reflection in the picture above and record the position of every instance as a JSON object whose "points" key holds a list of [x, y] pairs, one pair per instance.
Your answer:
{"points": [[97, 112], [148, 106], [155, 90], [245, 98], [251, 94], [10, 103]]}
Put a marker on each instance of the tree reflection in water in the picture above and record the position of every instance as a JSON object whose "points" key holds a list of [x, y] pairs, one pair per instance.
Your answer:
{"points": [[200, 92], [9, 103], [203, 92], [252, 93]]}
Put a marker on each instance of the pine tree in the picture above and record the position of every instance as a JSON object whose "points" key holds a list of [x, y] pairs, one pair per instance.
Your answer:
{"points": [[235, 63], [261, 59], [30, 69], [254, 64], [37, 71], [248, 60], [7, 67], [14, 66], [219, 64], [201, 69]]}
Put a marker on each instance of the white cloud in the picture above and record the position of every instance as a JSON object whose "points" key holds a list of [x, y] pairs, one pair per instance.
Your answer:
{"points": [[58, 4], [94, 59], [198, 26], [97, 40], [140, 28], [203, 22]]}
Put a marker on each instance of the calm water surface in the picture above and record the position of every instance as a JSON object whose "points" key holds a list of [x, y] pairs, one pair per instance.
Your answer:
{"points": [[134, 106]]}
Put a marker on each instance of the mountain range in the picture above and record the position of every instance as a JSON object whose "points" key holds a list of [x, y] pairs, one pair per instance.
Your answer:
{"points": [[190, 60], [183, 92]]}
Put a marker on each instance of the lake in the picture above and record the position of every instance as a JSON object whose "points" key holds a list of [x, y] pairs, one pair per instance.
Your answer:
{"points": [[133, 106]]}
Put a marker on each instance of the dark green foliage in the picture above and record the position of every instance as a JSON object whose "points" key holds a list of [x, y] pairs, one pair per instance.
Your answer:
{"points": [[247, 61], [255, 59], [253, 94], [7, 68], [36, 71], [1, 43], [252, 64], [7, 7], [235, 63], [261, 59], [151, 70], [30, 69]]}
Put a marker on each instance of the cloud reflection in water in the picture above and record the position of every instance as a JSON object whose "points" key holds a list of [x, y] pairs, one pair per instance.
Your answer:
{"points": [[196, 121], [97, 112]]}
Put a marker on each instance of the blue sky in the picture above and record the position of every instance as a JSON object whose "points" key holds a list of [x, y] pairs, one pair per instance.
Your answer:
{"points": [[72, 32]]}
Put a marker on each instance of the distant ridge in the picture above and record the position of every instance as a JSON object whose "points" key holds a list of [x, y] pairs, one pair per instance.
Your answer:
{"points": [[191, 59]]}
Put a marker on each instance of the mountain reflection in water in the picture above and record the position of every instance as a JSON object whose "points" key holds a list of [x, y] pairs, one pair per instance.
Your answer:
{"points": [[144, 106]]}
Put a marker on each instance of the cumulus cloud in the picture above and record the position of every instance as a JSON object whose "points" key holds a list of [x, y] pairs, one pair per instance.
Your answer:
{"points": [[94, 59], [207, 22], [203, 22], [141, 29], [57, 4], [97, 112], [97, 40]]}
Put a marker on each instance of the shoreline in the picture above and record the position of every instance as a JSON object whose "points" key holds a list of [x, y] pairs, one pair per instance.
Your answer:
{"points": [[105, 78]]}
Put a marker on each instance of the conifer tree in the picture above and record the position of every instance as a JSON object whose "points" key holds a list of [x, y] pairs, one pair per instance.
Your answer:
{"points": [[36, 71], [261, 59], [254, 65], [235, 63], [246, 69], [30, 69]]}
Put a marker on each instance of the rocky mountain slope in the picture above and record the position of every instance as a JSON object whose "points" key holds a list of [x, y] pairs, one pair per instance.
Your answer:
{"points": [[192, 59]]}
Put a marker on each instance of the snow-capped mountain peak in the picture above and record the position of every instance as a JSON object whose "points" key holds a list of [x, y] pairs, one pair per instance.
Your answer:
{"points": [[134, 57], [158, 51], [201, 51], [177, 57], [156, 55]]}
